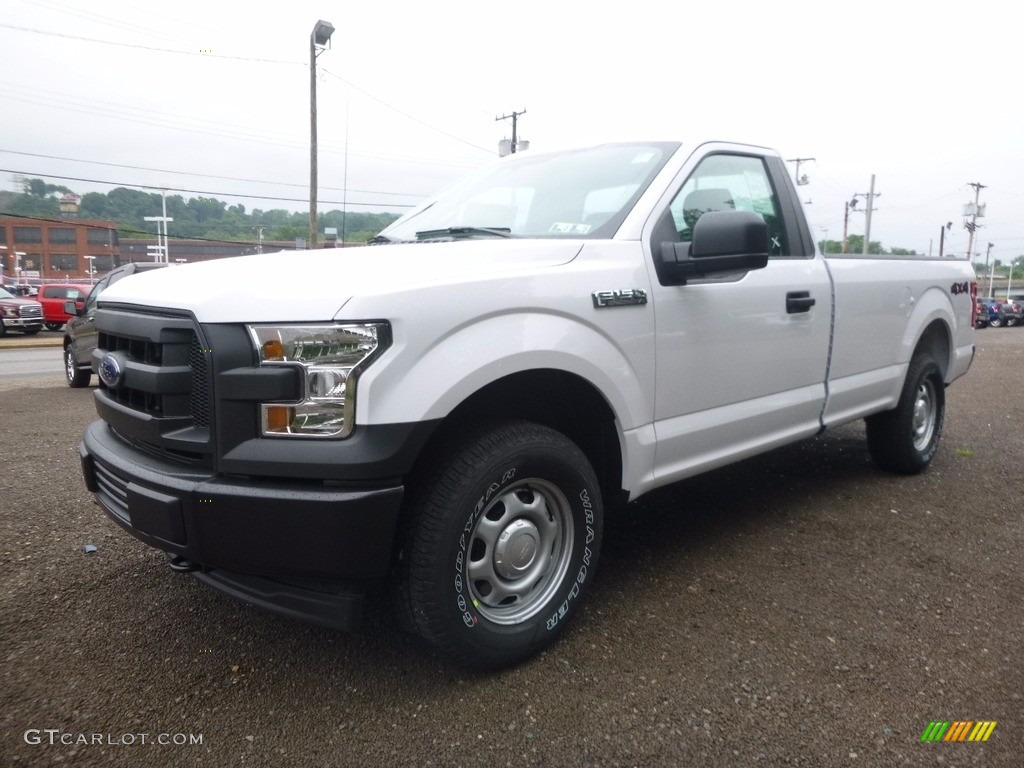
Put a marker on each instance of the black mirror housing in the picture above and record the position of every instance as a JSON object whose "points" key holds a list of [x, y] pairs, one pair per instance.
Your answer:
{"points": [[723, 242]]}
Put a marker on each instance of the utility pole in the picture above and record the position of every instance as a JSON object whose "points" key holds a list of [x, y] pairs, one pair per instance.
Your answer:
{"points": [[871, 195], [514, 116], [319, 37], [259, 237], [974, 211], [846, 224], [991, 269], [800, 180], [942, 237]]}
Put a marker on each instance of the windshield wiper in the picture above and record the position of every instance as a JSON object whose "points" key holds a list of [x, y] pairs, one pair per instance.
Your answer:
{"points": [[378, 239], [431, 234]]}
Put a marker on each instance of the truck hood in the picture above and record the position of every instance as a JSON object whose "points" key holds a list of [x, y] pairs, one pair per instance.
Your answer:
{"points": [[308, 286]]}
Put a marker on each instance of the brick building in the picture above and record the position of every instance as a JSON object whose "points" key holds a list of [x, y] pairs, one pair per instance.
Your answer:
{"points": [[57, 249]]}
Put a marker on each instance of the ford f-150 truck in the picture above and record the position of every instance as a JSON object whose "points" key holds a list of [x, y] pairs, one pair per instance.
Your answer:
{"points": [[19, 314], [451, 408]]}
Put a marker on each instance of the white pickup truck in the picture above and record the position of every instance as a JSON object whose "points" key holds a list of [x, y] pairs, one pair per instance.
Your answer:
{"points": [[452, 408]]}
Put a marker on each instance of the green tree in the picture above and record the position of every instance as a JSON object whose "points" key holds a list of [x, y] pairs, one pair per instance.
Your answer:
{"points": [[40, 188]]}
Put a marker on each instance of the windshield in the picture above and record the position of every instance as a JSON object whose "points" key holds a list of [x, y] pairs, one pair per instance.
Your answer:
{"points": [[584, 193], [5, 295]]}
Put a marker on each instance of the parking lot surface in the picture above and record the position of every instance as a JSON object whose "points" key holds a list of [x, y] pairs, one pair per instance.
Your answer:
{"points": [[800, 608]]}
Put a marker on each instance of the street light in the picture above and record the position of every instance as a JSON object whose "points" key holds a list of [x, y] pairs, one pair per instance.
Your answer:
{"points": [[320, 36], [17, 265], [92, 270]]}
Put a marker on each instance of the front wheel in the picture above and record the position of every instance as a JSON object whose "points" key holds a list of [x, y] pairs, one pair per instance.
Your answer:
{"points": [[995, 322], [906, 439], [501, 541], [77, 377]]}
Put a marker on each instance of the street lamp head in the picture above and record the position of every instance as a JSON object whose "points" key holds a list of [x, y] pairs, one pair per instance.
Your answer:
{"points": [[322, 32]]}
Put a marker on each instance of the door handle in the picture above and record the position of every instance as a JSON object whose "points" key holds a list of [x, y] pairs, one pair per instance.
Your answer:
{"points": [[798, 301]]}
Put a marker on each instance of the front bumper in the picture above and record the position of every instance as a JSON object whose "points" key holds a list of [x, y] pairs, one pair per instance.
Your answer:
{"points": [[297, 547], [20, 323]]}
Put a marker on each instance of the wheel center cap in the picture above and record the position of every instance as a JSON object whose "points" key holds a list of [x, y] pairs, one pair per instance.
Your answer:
{"points": [[516, 549]]}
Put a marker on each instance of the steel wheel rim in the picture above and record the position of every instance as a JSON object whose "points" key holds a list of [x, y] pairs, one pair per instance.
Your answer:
{"points": [[519, 551], [923, 422], [69, 364]]}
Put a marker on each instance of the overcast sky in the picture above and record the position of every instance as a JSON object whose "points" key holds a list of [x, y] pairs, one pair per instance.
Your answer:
{"points": [[213, 97]]}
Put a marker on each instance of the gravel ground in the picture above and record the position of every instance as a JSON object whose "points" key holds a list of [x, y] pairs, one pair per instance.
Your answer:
{"points": [[800, 608]]}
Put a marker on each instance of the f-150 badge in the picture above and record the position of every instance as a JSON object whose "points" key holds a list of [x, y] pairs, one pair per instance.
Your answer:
{"points": [[625, 298]]}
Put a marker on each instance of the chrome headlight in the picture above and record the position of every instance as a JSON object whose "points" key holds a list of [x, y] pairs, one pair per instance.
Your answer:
{"points": [[331, 357]]}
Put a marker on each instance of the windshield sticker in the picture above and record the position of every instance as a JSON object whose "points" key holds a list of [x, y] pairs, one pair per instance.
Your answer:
{"points": [[564, 228]]}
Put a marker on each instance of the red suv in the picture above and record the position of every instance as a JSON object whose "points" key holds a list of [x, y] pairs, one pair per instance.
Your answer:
{"points": [[53, 296]]}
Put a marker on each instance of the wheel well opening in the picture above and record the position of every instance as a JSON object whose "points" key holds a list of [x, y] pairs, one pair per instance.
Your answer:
{"points": [[562, 401], [935, 342]]}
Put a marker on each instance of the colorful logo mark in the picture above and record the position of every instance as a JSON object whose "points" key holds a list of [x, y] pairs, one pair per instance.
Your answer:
{"points": [[958, 730]]}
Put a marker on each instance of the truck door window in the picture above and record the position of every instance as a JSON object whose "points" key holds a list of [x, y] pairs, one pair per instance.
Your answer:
{"points": [[727, 182]]}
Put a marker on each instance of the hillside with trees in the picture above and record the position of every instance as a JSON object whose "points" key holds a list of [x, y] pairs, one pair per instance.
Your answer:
{"points": [[194, 217]]}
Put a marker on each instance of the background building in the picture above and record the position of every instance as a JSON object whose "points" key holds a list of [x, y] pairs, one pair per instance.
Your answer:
{"points": [[33, 248]]}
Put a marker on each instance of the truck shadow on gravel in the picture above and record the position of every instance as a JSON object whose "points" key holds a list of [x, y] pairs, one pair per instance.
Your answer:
{"points": [[667, 535]]}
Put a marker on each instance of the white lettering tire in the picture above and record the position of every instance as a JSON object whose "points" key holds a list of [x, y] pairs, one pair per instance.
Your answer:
{"points": [[500, 542]]}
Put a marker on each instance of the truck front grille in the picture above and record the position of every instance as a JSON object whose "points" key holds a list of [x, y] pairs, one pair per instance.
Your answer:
{"points": [[31, 311], [162, 400]]}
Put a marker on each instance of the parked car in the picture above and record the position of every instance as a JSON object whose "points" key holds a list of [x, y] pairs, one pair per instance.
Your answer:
{"points": [[1016, 316], [18, 314], [80, 330], [21, 290], [998, 313], [980, 314], [53, 296]]}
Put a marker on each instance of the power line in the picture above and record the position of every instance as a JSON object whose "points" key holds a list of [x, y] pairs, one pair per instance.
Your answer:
{"points": [[404, 114], [222, 130], [147, 47], [201, 192], [202, 175]]}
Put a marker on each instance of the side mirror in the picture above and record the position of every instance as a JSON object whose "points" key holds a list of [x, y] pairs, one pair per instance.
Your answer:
{"points": [[723, 242], [74, 308]]}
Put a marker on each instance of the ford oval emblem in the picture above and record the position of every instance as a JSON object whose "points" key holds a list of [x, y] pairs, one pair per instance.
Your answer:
{"points": [[111, 372]]}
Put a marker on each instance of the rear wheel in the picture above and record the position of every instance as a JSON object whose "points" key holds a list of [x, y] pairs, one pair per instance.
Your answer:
{"points": [[906, 439], [501, 541], [995, 322], [76, 376]]}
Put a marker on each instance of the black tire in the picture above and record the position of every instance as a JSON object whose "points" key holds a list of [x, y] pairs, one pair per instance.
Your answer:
{"points": [[501, 540], [54, 326], [3, 328], [995, 322], [906, 439], [76, 377]]}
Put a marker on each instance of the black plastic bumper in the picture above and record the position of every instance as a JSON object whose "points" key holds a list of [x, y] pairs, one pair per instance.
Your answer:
{"points": [[294, 547]]}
